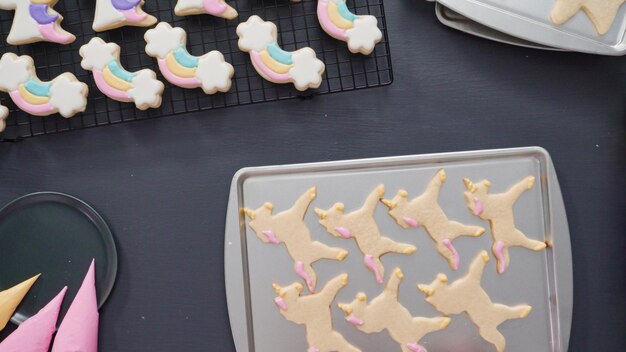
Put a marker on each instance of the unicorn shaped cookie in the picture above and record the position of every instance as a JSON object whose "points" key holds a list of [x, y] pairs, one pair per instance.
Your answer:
{"points": [[361, 226], [426, 211], [601, 12], [64, 94], [209, 71], [467, 295], [385, 313], [35, 21], [217, 8], [140, 87], [111, 14], [360, 32], [288, 227], [301, 67], [313, 311], [498, 210]]}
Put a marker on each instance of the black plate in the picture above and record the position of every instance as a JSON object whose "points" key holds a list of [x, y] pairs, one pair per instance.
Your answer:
{"points": [[56, 235]]}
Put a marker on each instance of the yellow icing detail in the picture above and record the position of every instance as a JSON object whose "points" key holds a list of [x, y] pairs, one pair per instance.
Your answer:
{"points": [[114, 81], [335, 17], [273, 64], [47, 2], [178, 69], [30, 97]]}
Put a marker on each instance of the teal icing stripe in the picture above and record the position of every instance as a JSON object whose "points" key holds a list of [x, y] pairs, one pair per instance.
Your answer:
{"points": [[279, 54], [40, 89], [119, 72], [184, 58], [345, 12]]}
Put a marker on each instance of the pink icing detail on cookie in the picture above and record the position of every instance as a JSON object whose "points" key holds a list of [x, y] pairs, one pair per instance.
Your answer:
{"points": [[343, 232], [108, 90], [498, 248], [455, 254], [300, 271], [190, 82], [322, 14], [354, 320], [271, 236], [415, 347], [278, 77], [133, 16], [49, 32], [312, 349], [214, 7], [410, 221], [42, 109], [478, 206], [280, 303], [369, 263]]}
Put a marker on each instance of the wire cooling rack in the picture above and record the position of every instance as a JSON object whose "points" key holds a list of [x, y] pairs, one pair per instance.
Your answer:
{"points": [[297, 24]]}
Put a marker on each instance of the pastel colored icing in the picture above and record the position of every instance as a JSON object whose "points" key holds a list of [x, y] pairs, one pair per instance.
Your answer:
{"points": [[455, 254], [214, 7], [50, 33], [174, 79], [410, 221], [30, 98], [327, 23], [41, 89], [120, 72], [274, 76], [114, 81], [478, 206], [312, 349], [343, 232], [35, 334], [271, 236], [133, 16], [345, 12], [300, 271], [354, 320], [178, 69], [279, 54], [185, 59], [11, 298], [108, 90], [125, 4], [279, 302], [336, 18], [34, 109], [272, 64], [498, 249], [369, 263], [39, 12], [415, 347]]}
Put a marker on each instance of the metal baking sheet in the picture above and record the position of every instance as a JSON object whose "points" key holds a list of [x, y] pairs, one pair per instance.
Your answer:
{"points": [[530, 20], [541, 279]]}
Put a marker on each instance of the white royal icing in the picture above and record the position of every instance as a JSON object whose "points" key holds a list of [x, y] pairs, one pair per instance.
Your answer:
{"points": [[14, 70], [364, 34], [106, 15], [4, 113], [255, 34], [307, 69], [163, 39], [147, 89], [24, 27], [68, 95], [214, 72], [185, 5], [97, 54]]}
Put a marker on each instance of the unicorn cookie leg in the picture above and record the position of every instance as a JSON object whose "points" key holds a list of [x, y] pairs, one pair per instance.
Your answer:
{"points": [[360, 32], [64, 94], [111, 14], [140, 87], [209, 71], [218, 8], [35, 21], [301, 67]]}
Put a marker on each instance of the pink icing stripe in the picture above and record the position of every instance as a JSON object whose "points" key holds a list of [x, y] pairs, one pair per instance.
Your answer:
{"points": [[343, 232], [410, 221], [322, 15], [108, 90], [478, 206], [49, 32], [133, 16], [498, 249], [191, 82], [271, 236], [354, 320], [415, 347], [300, 271], [455, 254], [214, 7], [37, 110], [369, 263], [312, 349], [277, 77], [280, 303]]}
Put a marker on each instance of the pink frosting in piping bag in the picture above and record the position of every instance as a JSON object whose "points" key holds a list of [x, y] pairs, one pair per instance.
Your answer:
{"points": [[35, 334], [79, 329]]}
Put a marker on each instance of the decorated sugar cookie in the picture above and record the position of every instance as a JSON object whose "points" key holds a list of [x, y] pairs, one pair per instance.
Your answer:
{"points": [[601, 12], [360, 32], [35, 21], [361, 226], [111, 14], [103, 59], [4, 113], [288, 227], [313, 311], [301, 67], [426, 211], [467, 295], [498, 210], [209, 71], [385, 313], [217, 8], [64, 94]]}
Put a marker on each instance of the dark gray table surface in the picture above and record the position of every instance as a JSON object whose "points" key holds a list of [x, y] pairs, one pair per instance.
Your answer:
{"points": [[163, 184]]}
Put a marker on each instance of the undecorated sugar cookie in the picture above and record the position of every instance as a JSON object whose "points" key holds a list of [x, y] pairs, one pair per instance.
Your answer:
{"points": [[111, 14], [361, 226], [601, 12], [64, 94], [498, 210], [288, 227], [467, 295], [385, 312], [35, 21], [180, 68], [301, 67], [360, 32], [103, 59], [217, 8], [313, 311], [426, 211], [4, 113]]}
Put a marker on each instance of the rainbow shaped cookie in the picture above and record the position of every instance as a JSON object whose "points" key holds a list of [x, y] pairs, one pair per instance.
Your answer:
{"points": [[217, 8], [35, 21], [301, 67], [209, 71], [111, 14], [64, 94], [103, 59], [360, 32]]}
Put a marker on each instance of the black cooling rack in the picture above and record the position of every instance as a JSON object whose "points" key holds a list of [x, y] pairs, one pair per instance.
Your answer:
{"points": [[297, 27]]}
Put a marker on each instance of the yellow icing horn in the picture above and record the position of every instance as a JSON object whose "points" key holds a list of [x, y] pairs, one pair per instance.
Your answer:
{"points": [[319, 212], [248, 212], [345, 308], [426, 289], [388, 203]]}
